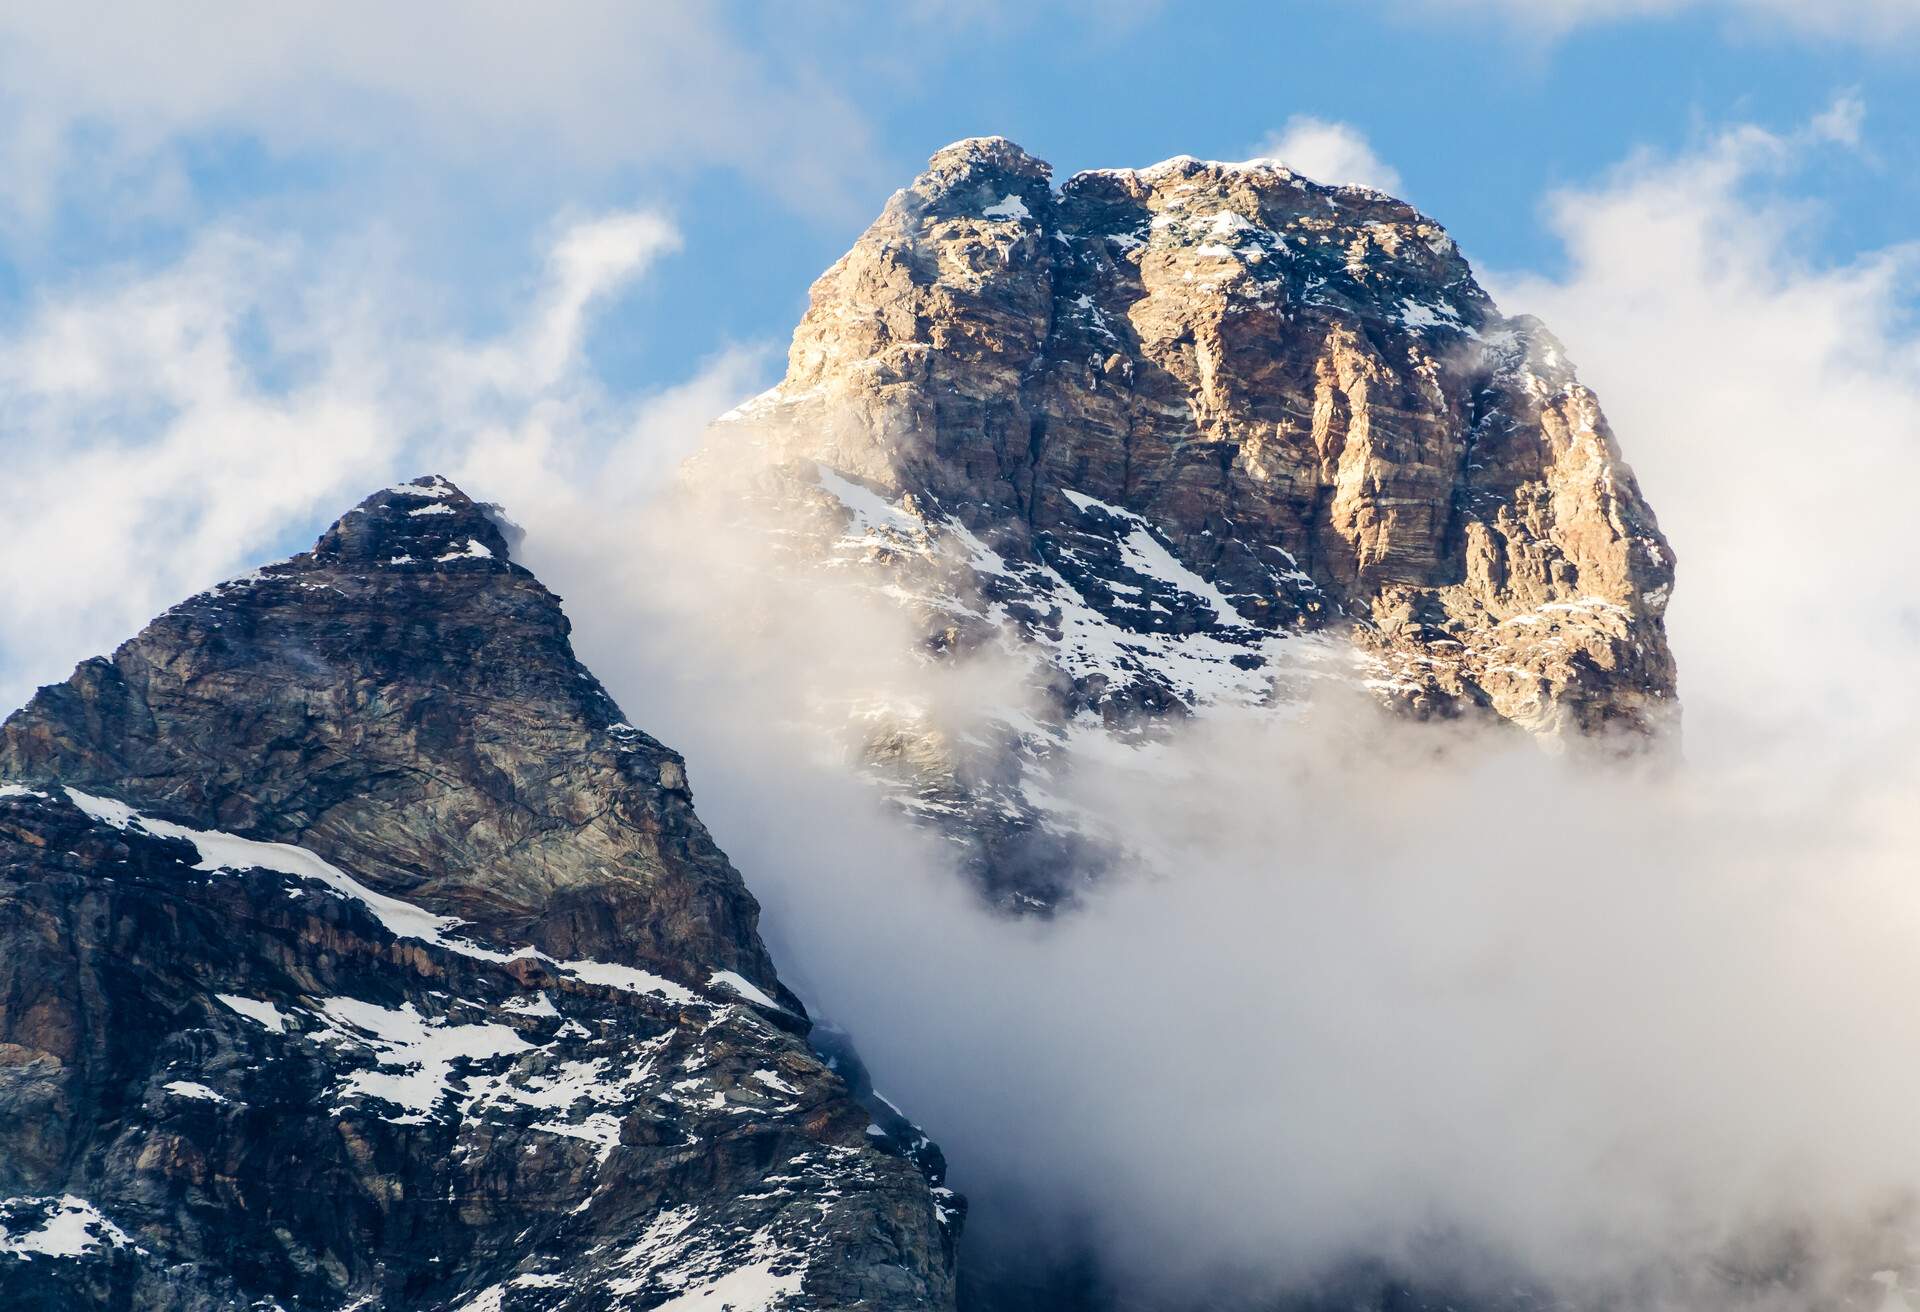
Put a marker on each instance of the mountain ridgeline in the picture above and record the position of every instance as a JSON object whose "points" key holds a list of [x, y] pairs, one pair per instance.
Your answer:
{"points": [[1193, 439], [356, 953]]}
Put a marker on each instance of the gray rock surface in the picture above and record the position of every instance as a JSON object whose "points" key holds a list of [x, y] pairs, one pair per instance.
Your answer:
{"points": [[355, 953]]}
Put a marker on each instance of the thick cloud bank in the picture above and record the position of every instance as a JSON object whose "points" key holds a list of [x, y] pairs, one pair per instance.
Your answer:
{"points": [[1366, 991]]}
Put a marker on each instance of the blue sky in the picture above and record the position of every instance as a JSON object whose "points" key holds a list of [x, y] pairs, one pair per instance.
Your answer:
{"points": [[255, 259], [1479, 115], [1479, 119], [258, 260]]}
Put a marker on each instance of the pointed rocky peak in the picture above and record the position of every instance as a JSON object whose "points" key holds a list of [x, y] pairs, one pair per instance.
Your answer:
{"points": [[396, 545], [346, 880], [405, 699], [1187, 172], [426, 522], [1239, 238], [976, 159], [982, 179]]}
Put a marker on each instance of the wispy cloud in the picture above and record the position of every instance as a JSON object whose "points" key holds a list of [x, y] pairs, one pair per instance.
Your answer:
{"points": [[110, 99], [167, 428], [1843, 20]]}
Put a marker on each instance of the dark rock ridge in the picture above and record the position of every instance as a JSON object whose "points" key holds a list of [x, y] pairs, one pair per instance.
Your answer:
{"points": [[1194, 434], [356, 953]]}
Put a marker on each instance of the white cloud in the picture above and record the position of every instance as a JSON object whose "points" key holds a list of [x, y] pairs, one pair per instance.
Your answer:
{"points": [[165, 429], [1587, 1024], [1841, 121], [1388, 994], [1850, 20], [1771, 406], [101, 98], [1329, 152], [590, 260]]}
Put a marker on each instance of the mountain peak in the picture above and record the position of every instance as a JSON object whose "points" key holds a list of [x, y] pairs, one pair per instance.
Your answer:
{"points": [[1299, 393], [997, 154], [346, 879], [407, 697], [426, 523]]}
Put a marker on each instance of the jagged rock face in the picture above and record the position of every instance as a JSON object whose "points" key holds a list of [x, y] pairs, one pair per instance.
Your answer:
{"points": [[1297, 393], [355, 952], [404, 699]]}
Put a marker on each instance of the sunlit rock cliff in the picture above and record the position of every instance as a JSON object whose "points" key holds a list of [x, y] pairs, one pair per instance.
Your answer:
{"points": [[1195, 436]]}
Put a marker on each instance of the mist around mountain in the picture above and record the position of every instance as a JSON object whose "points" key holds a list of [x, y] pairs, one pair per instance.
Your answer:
{"points": [[1139, 776]]}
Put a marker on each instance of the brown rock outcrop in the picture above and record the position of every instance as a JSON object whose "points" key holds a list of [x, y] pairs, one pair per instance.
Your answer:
{"points": [[1298, 391]]}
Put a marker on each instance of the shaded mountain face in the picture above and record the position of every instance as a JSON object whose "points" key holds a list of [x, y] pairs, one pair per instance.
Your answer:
{"points": [[1193, 438], [356, 952]]}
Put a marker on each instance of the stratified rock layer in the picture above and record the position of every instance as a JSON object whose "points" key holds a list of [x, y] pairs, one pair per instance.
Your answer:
{"points": [[355, 952], [1297, 392]]}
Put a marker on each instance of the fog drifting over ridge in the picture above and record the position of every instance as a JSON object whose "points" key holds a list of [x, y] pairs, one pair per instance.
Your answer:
{"points": [[1370, 989], [1375, 989]]}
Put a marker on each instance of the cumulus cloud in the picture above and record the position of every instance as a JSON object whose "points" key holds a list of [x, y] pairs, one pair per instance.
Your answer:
{"points": [[1330, 152]]}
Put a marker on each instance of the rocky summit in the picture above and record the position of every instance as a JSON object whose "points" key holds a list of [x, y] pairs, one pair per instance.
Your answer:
{"points": [[1190, 436], [355, 952]]}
